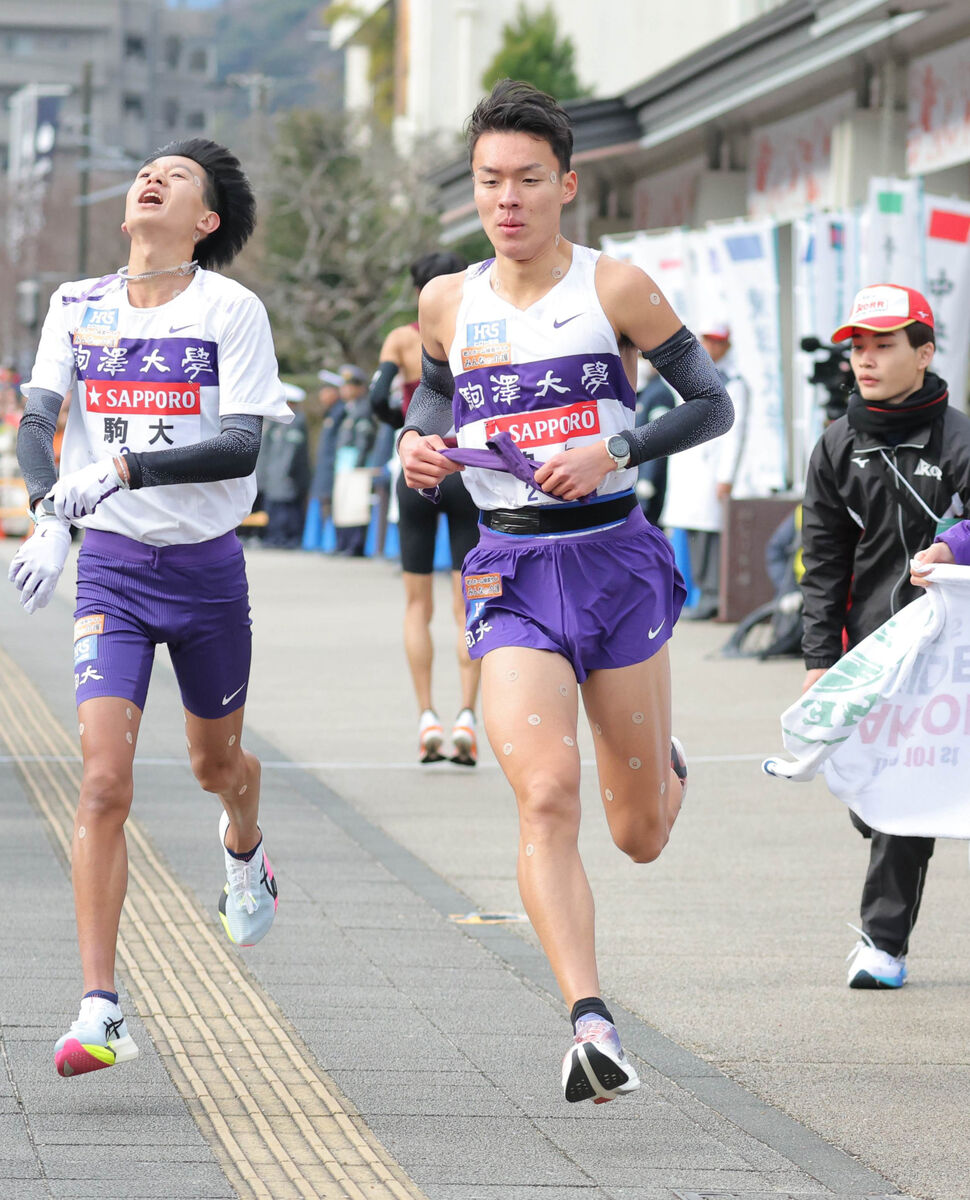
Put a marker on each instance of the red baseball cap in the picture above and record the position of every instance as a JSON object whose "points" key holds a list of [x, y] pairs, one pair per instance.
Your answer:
{"points": [[885, 306]]}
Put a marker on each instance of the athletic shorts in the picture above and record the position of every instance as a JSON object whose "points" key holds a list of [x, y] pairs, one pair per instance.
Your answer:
{"points": [[418, 524], [602, 598], [194, 598]]}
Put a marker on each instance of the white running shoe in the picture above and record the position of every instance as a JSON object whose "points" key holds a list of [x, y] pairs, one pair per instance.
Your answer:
{"points": [[872, 968], [248, 903], [430, 737], [678, 762], [98, 1038], [595, 1067], [463, 739]]}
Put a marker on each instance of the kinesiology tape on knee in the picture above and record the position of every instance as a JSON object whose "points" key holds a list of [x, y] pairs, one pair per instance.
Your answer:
{"points": [[430, 407], [687, 367]]}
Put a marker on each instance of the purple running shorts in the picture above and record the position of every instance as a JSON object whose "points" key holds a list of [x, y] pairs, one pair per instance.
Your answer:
{"points": [[131, 597], [604, 597]]}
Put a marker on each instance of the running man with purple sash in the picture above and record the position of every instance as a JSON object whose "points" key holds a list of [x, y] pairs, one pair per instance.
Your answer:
{"points": [[532, 356], [173, 371]]}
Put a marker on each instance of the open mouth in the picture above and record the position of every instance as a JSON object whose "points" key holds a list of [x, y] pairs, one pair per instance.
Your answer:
{"points": [[151, 196]]}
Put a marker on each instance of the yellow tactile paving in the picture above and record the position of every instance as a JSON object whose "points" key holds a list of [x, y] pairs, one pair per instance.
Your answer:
{"points": [[278, 1125]]}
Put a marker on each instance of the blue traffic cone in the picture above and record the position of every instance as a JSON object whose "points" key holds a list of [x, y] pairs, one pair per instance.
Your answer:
{"points": [[392, 541], [311, 526], [328, 538], [678, 539], [442, 546]]}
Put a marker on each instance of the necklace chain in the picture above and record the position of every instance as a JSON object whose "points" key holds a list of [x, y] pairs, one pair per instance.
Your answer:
{"points": [[186, 268]]}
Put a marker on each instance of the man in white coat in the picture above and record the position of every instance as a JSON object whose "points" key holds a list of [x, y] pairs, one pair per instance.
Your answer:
{"points": [[700, 481]]}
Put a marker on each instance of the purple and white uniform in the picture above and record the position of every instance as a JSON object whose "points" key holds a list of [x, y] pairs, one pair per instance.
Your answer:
{"points": [[160, 564], [552, 377]]}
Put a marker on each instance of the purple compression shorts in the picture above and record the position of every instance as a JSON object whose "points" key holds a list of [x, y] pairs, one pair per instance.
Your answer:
{"points": [[603, 597], [131, 597]]}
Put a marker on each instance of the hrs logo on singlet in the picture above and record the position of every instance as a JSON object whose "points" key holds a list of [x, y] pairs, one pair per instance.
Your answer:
{"points": [[480, 333]]}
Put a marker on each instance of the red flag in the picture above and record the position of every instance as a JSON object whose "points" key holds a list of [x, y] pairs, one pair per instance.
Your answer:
{"points": [[951, 226]]}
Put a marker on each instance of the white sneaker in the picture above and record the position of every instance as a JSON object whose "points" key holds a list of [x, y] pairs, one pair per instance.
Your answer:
{"points": [[463, 739], [248, 902], [870, 967], [430, 737], [595, 1067], [98, 1038]]}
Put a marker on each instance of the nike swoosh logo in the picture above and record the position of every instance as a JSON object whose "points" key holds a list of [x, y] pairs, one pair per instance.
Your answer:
{"points": [[559, 324], [652, 633], [226, 699], [179, 328]]}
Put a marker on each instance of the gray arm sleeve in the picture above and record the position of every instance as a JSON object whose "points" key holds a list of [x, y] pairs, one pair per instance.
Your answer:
{"points": [[430, 407], [231, 454], [35, 441], [687, 367]]}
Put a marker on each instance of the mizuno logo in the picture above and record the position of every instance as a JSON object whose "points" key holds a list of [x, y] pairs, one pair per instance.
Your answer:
{"points": [[861, 462], [925, 468], [559, 324], [179, 328], [226, 699], [652, 633]]}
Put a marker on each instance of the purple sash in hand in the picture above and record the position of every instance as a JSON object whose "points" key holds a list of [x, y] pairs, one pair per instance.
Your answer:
{"points": [[502, 454]]}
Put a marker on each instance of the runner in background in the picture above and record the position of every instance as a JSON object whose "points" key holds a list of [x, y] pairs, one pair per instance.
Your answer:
{"points": [[418, 530]]}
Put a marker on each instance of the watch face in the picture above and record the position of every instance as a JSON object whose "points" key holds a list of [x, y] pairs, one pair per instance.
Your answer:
{"points": [[617, 446]]}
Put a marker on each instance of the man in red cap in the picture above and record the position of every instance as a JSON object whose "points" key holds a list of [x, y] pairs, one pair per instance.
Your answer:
{"points": [[881, 481]]}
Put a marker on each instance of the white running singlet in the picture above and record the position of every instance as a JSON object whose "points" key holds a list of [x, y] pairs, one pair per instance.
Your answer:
{"points": [[154, 379], [551, 375]]}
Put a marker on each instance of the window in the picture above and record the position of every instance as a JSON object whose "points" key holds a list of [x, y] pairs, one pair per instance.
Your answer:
{"points": [[135, 46], [170, 111], [133, 105], [199, 59], [173, 51], [195, 120]]}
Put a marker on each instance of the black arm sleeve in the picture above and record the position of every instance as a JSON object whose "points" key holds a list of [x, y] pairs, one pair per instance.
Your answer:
{"points": [[379, 395], [231, 454], [687, 367], [430, 407], [35, 442]]}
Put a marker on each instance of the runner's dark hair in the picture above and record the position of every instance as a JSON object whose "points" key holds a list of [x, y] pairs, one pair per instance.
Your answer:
{"points": [[438, 262], [516, 107], [227, 191]]}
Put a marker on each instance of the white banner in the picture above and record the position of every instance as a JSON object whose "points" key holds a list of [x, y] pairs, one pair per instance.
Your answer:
{"points": [[824, 284], [939, 110], [791, 161], [748, 257], [948, 289], [892, 245]]}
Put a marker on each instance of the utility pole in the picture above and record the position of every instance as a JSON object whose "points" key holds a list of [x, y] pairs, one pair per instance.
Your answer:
{"points": [[84, 172]]}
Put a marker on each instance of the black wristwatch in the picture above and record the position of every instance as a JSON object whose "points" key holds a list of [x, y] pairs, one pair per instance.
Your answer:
{"points": [[618, 449]]}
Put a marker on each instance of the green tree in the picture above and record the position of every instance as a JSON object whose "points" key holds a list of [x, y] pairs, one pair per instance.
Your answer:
{"points": [[532, 50], [345, 216]]}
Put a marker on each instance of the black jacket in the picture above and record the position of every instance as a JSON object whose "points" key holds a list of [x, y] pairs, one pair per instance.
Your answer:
{"points": [[857, 534]]}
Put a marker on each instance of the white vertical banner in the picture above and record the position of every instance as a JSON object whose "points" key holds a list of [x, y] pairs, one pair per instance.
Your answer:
{"points": [[939, 110], [948, 289], [749, 255], [892, 250], [824, 285]]}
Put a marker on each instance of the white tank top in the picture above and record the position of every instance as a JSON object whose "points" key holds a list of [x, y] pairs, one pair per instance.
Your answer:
{"points": [[551, 375]]}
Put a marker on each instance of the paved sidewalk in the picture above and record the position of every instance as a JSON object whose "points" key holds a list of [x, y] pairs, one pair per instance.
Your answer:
{"points": [[372, 1046]]}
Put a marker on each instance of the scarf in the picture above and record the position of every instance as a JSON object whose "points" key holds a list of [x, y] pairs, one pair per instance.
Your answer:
{"points": [[881, 419]]}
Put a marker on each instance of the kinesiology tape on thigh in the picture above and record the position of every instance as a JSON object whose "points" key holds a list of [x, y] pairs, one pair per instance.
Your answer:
{"points": [[708, 412]]}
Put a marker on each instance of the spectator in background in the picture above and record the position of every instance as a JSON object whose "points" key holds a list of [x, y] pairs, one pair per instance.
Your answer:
{"points": [[283, 476], [700, 482], [333, 410], [354, 443], [653, 400]]}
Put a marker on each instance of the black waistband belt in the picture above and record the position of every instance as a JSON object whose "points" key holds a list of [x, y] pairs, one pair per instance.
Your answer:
{"points": [[550, 518]]}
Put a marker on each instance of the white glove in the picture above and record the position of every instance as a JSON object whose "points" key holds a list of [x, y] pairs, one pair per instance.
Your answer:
{"points": [[37, 565], [79, 493]]}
